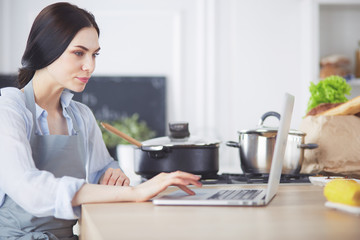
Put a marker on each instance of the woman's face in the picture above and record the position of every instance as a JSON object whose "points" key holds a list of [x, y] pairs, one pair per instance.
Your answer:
{"points": [[74, 67]]}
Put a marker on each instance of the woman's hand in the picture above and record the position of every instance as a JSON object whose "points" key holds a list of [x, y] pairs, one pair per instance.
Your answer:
{"points": [[93, 193], [114, 177], [160, 182]]}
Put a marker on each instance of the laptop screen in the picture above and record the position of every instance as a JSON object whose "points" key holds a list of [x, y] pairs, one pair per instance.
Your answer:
{"points": [[280, 147]]}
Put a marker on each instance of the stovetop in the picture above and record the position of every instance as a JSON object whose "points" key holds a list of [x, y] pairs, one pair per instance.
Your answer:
{"points": [[254, 178]]}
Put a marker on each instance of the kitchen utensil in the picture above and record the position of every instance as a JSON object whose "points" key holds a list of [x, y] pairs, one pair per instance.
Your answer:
{"points": [[121, 134], [256, 148], [179, 151]]}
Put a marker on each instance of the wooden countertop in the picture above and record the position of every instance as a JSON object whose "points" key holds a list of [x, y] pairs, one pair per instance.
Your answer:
{"points": [[296, 212]]}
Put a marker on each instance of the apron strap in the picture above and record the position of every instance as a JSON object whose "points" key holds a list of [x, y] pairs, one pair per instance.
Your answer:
{"points": [[75, 125]]}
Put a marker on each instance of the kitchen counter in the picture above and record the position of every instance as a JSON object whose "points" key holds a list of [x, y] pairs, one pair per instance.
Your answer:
{"points": [[296, 212]]}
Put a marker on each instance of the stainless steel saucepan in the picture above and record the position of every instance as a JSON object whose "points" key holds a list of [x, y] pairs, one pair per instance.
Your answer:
{"points": [[256, 148]]}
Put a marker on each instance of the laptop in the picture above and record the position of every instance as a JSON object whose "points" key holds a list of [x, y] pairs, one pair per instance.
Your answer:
{"points": [[236, 196]]}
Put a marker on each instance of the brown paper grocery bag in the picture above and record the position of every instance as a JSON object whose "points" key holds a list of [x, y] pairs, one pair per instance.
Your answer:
{"points": [[338, 138]]}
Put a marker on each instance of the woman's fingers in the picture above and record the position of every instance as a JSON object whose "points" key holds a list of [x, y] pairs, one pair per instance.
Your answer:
{"points": [[127, 182], [115, 177], [106, 177], [122, 181], [160, 182], [182, 180], [182, 183], [185, 175], [186, 189]]}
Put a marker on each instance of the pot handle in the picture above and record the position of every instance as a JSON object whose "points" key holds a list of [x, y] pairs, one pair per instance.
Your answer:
{"points": [[155, 148], [268, 114], [232, 144], [309, 146], [156, 152]]}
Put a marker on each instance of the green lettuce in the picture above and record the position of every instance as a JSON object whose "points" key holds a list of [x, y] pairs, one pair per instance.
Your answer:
{"points": [[329, 90]]}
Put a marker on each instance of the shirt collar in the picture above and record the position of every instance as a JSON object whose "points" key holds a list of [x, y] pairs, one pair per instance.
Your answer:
{"points": [[65, 99]]}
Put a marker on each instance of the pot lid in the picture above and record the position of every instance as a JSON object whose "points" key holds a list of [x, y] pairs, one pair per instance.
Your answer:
{"points": [[179, 136], [194, 141], [263, 130], [269, 131]]}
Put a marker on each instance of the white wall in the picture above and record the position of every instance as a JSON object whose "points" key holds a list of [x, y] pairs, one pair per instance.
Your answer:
{"points": [[227, 61], [340, 33]]}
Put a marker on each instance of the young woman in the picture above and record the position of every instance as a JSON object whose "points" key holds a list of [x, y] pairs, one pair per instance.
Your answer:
{"points": [[53, 155]]}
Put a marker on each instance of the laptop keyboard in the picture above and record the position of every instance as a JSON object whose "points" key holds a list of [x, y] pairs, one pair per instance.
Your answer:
{"points": [[242, 194]]}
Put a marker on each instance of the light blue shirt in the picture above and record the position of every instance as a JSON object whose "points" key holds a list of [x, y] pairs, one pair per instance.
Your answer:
{"points": [[39, 192]]}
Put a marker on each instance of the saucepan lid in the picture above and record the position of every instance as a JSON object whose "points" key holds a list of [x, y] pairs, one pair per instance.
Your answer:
{"points": [[269, 131]]}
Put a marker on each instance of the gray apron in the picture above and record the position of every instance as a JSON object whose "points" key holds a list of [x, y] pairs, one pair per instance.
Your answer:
{"points": [[61, 155]]}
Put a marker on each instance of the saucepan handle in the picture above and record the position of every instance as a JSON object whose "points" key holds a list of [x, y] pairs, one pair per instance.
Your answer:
{"points": [[232, 144], [268, 114]]}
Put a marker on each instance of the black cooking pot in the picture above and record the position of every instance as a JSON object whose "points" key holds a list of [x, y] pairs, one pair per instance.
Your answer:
{"points": [[179, 151]]}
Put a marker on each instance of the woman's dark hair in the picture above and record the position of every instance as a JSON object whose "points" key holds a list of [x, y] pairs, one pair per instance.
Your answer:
{"points": [[51, 33]]}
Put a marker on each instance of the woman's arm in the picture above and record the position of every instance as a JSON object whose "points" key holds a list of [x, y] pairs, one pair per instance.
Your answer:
{"points": [[92, 193]]}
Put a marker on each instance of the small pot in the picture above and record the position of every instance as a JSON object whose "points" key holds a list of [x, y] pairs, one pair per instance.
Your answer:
{"points": [[179, 151], [256, 148]]}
